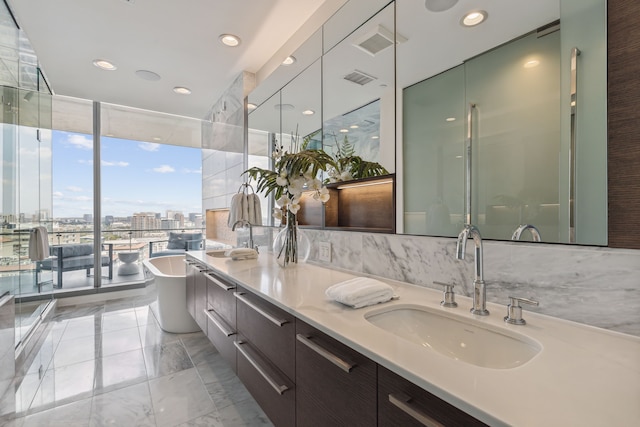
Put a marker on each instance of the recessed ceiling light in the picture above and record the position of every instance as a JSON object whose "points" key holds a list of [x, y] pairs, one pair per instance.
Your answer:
{"points": [[308, 112], [182, 90], [157, 138], [439, 5], [375, 137], [354, 126], [148, 75], [289, 60], [532, 63], [104, 64], [344, 130], [229, 40], [450, 119], [473, 18], [251, 106], [284, 107], [458, 157]]}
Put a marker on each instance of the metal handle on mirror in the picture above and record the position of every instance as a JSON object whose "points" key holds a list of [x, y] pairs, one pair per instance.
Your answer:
{"points": [[468, 158], [575, 52]]}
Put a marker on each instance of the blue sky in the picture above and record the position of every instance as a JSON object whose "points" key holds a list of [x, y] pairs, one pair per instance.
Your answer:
{"points": [[136, 176]]}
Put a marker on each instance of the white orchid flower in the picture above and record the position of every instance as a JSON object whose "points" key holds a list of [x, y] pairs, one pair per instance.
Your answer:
{"points": [[315, 184], [324, 197], [283, 201], [294, 208], [346, 176], [277, 213], [281, 180]]}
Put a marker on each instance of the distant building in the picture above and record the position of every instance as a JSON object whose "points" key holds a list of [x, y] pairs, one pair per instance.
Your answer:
{"points": [[88, 218], [108, 219], [169, 224], [144, 221]]}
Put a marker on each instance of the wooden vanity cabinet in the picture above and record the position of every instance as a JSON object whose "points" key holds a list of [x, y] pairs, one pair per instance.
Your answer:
{"points": [[404, 404], [336, 385], [196, 290], [221, 315], [266, 355]]}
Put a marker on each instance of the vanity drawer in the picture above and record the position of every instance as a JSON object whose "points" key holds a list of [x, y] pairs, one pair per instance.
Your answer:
{"points": [[200, 297], [401, 403], [220, 297], [222, 335], [269, 329], [335, 385], [274, 392]]}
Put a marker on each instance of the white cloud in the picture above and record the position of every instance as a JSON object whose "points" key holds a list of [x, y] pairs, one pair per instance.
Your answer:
{"points": [[120, 164], [81, 199], [85, 162], [80, 141], [196, 171], [74, 189], [149, 146], [58, 194], [164, 169]]}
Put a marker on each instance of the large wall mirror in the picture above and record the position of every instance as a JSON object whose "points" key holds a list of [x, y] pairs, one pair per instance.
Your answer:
{"points": [[359, 92], [503, 124]]}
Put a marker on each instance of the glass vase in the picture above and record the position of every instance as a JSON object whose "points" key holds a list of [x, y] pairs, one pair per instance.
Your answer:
{"points": [[291, 245]]}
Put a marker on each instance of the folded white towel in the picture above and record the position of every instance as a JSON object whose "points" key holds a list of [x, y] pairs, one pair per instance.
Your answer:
{"points": [[38, 243], [360, 292], [255, 210], [236, 210]]}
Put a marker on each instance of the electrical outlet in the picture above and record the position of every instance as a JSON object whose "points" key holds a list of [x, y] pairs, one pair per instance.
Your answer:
{"points": [[324, 251]]}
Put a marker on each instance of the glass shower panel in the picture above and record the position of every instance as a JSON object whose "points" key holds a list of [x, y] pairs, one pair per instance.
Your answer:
{"points": [[516, 136], [433, 134]]}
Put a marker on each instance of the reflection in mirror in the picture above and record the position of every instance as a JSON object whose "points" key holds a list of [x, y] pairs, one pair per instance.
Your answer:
{"points": [[505, 104], [358, 91], [301, 109], [263, 132]]}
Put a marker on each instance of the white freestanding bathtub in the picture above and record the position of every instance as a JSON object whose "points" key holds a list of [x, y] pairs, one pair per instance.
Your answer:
{"points": [[171, 284]]}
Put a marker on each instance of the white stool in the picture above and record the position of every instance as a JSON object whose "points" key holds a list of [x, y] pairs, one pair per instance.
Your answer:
{"points": [[128, 266]]}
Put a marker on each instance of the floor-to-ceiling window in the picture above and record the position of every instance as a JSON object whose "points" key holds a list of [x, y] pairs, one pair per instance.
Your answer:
{"points": [[148, 180]]}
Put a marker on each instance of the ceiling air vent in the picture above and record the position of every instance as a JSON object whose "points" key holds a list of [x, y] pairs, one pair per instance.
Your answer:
{"points": [[360, 78], [377, 40]]}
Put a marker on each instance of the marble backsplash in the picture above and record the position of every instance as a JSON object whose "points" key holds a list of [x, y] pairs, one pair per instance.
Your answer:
{"points": [[591, 285]]}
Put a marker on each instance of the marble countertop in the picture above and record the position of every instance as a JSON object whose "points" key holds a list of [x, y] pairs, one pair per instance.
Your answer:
{"points": [[583, 376]]}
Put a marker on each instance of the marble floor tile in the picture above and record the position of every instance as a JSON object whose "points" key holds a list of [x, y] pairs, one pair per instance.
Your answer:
{"points": [[144, 315], [244, 414], [82, 327], [199, 347], [121, 319], [119, 304], [212, 419], [74, 414], [129, 406], [78, 350], [151, 334], [78, 311], [224, 387], [120, 341], [26, 389], [63, 385], [119, 371], [166, 359], [179, 397]]}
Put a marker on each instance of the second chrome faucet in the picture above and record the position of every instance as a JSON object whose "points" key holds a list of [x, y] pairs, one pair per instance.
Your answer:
{"points": [[479, 289]]}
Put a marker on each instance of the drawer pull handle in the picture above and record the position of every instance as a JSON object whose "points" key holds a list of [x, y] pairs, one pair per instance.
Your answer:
{"points": [[280, 389], [218, 282], [219, 323], [339, 362], [271, 318], [402, 401]]}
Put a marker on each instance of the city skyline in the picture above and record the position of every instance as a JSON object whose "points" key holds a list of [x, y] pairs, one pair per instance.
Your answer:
{"points": [[136, 177]]}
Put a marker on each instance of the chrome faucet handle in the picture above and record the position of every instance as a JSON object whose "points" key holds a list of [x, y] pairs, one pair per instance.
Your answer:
{"points": [[449, 295], [514, 311]]}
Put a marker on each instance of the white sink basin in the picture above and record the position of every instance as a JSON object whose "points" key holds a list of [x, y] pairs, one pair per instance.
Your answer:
{"points": [[455, 337]]}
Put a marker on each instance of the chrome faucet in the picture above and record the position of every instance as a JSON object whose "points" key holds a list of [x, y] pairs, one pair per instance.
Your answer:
{"points": [[479, 289], [245, 223], [535, 233]]}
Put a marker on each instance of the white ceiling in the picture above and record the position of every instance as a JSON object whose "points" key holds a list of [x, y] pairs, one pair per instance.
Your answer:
{"points": [[176, 39]]}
